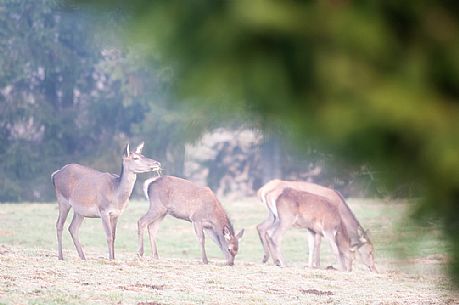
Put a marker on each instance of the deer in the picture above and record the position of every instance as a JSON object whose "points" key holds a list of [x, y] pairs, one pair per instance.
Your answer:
{"points": [[96, 194], [316, 214], [358, 237], [182, 199]]}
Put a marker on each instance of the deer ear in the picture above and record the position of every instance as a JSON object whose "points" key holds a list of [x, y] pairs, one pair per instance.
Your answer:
{"points": [[362, 240], [226, 233], [362, 235], [355, 246], [239, 235], [126, 151], [367, 233], [139, 148]]}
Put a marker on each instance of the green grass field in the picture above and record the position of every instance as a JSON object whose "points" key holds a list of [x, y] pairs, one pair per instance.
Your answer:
{"points": [[411, 261]]}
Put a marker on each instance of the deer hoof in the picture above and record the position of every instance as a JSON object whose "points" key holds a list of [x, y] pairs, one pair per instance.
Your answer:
{"points": [[277, 262], [265, 259]]}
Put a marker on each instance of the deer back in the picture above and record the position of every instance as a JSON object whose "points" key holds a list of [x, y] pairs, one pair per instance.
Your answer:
{"points": [[185, 200], [81, 184], [310, 211]]}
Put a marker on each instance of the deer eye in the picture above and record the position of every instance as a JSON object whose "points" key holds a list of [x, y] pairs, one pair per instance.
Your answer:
{"points": [[136, 157]]}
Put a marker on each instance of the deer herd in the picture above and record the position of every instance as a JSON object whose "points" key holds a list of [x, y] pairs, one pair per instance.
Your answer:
{"points": [[322, 211]]}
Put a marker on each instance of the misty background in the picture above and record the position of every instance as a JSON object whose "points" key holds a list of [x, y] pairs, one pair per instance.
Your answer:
{"points": [[73, 92]]}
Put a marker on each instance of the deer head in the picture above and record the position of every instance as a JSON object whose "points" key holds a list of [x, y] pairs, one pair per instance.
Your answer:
{"points": [[137, 163], [230, 246], [366, 253], [366, 250]]}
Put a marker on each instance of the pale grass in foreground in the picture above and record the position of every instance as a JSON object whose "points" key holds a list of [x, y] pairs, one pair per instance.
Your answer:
{"points": [[35, 277], [31, 274]]}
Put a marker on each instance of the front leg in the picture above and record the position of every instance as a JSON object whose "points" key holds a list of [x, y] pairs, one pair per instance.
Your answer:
{"points": [[106, 222], [274, 240], [113, 223], [200, 235], [310, 248], [316, 255]]}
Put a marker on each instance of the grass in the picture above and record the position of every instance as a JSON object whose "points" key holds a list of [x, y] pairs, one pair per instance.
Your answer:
{"points": [[411, 260]]}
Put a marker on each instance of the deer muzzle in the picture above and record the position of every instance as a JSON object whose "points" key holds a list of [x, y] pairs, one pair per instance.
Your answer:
{"points": [[156, 167]]}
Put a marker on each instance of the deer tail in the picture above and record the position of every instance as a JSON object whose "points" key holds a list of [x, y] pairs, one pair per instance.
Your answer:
{"points": [[146, 186], [52, 177]]}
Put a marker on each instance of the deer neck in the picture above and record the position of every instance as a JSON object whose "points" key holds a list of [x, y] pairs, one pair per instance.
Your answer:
{"points": [[126, 183]]}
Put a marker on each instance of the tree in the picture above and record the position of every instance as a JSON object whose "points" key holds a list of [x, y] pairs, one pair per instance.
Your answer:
{"points": [[71, 92]]}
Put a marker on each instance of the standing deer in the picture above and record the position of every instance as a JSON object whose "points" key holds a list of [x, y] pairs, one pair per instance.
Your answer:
{"points": [[184, 200], [95, 194], [269, 193], [318, 215]]}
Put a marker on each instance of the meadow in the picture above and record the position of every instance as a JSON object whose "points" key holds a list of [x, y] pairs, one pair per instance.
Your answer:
{"points": [[411, 261]]}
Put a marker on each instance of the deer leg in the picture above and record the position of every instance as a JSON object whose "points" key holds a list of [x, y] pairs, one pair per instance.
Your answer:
{"points": [[200, 235], [331, 236], [316, 252], [275, 239], [152, 230], [113, 223], [106, 222], [262, 229], [74, 230], [63, 213], [143, 222], [311, 248]]}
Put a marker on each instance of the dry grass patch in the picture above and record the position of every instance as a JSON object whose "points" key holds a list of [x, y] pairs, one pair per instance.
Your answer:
{"points": [[36, 277]]}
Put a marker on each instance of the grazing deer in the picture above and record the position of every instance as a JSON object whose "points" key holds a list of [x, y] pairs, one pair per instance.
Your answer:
{"points": [[182, 199], [269, 193], [95, 194], [318, 215]]}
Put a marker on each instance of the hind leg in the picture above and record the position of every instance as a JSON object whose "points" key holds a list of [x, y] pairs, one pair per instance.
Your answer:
{"points": [[74, 230], [64, 209], [152, 230], [149, 219], [262, 229]]}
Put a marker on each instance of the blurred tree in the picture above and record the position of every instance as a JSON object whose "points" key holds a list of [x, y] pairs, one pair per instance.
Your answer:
{"points": [[38, 48], [372, 81], [71, 92], [67, 94]]}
